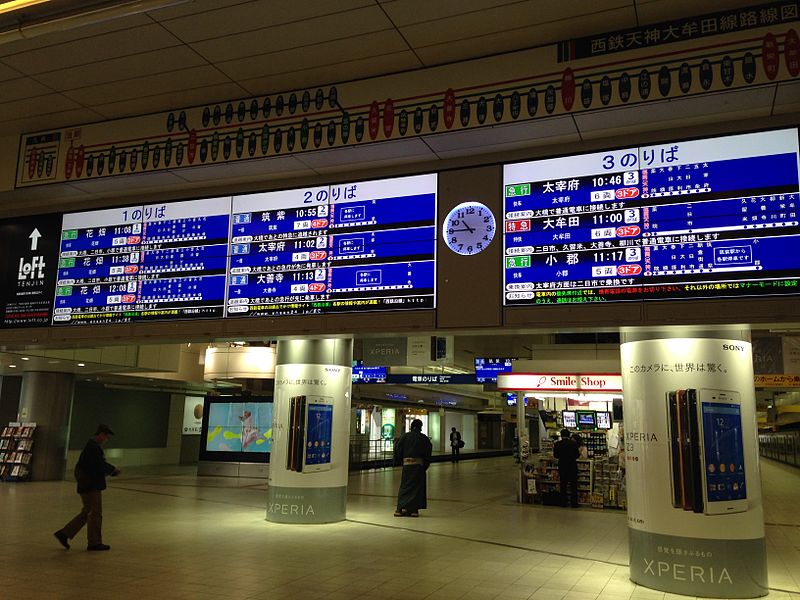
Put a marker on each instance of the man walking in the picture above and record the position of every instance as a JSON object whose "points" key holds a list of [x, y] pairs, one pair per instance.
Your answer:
{"points": [[90, 473]]}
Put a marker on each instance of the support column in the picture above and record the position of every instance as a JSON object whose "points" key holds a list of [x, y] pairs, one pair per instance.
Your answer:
{"points": [[311, 431], [45, 399], [695, 516]]}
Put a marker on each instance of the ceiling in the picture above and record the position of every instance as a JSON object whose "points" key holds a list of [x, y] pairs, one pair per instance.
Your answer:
{"points": [[56, 71], [136, 58], [197, 52]]}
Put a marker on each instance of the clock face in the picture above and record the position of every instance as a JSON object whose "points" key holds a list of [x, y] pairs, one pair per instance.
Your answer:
{"points": [[469, 228]]}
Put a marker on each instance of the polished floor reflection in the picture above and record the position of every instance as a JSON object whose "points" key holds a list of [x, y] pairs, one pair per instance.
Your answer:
{"points": [[174, 535]]}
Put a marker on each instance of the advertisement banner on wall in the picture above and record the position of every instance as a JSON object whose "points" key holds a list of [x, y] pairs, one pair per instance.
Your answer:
{"points": [[695, 513], [192, 415]]}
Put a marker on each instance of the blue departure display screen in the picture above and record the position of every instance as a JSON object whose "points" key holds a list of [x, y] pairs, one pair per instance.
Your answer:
{"points": [[368, 374], [704, 218], [352, 247], [487, 369], [155, 262]]}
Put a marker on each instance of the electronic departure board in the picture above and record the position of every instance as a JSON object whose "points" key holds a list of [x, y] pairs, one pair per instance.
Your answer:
{"points": [[161, 261], [356, 246], [351, 247], [704, 218]]}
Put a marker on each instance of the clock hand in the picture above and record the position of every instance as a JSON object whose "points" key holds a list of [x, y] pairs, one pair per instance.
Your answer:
{"points": [[468, 228]]}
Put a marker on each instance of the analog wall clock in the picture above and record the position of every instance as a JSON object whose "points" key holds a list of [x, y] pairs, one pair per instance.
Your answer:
{"points": [[469, 228]]}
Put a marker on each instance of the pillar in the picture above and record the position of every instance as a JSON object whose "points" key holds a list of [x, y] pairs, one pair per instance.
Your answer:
{"points": [[695, 515], [45, 399], [311, 431]]}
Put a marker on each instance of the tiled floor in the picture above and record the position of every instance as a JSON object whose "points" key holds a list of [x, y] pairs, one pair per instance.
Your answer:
{"points": [[175, 536]]}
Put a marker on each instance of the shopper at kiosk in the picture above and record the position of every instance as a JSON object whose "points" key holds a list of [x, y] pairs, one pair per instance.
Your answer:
{"points": [[413, 450], [583, 451], [566, 451]]}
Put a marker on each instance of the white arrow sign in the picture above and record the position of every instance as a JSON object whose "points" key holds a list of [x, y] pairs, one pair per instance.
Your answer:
{"points": [[34, 236]]}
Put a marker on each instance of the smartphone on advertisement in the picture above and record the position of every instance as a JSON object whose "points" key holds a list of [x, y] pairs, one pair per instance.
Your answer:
{"points": [[675, 451], [723, 473], [695, 453], [296, 441], [319, 434]]}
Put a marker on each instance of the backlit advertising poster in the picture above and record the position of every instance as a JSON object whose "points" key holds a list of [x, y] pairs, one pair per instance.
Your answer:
{"points": [[695, 514]]}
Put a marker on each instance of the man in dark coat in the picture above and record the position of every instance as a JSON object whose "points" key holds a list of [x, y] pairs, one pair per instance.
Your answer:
{"points": [[413, 450], [566, 451], [90, 473]]}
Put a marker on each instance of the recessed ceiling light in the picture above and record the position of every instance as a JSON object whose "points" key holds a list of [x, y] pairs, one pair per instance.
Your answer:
{"points": [[25, 358], [12, 366], [81, 364]]}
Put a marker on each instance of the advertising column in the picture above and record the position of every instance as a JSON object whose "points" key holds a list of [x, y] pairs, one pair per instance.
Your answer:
{"points": [[311, 431], [695, 516]]}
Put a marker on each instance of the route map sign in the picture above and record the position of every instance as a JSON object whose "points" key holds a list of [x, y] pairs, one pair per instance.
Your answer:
{"points": [[357, 246], [706, 218]]}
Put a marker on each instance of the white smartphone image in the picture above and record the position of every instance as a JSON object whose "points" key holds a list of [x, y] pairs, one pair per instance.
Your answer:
{"points": [[721, 442], [319, 434]]}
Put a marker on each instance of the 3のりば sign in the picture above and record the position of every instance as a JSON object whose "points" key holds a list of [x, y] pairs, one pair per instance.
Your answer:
{"points": [[560, 382]]}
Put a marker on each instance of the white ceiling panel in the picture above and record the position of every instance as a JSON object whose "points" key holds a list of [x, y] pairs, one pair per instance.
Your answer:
{"points": [[327, 53], [165, 101], [13, 199], [508, 18], [678, 112], [787, 98], [247, 16], [53, 40], [434, 51], [7, 72], [119, 69], [138, 183], [342, 71], [92, 50], [337, 26], [654, 11], [174, 81], [410, 12], [525, 134], [40, 121], [187, 8], [24, 87], [46, 103], [287, 166], [367, 155]]}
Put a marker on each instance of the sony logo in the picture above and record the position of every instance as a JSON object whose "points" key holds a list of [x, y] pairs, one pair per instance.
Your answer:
{"points": [[734, 347]]}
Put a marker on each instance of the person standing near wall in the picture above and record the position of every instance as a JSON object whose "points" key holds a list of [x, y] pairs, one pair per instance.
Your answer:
{"points": [[90, 473], [455, 443], [413, 450]]}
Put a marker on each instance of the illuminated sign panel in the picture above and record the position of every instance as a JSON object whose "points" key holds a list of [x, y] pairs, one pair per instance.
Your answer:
{"points": [[707, 218], [351, 247]]}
